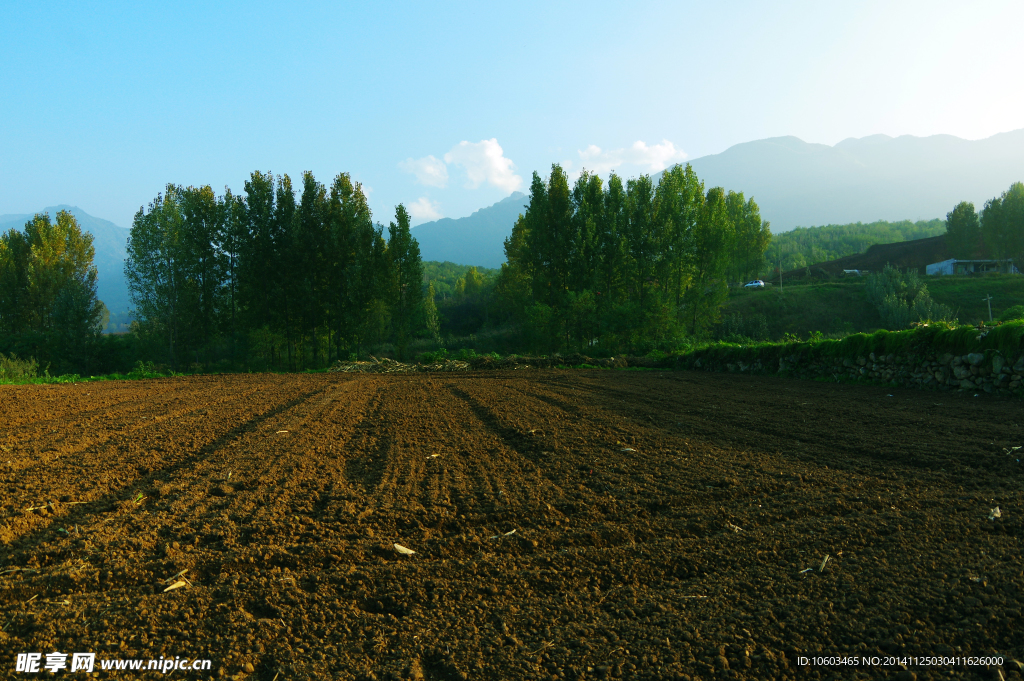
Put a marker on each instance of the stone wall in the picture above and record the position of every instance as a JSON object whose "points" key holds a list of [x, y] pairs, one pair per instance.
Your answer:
{"points": [[987, 371]]}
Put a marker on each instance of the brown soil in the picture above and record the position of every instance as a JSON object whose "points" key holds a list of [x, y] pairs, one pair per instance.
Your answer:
{"points": [[666, 526]]}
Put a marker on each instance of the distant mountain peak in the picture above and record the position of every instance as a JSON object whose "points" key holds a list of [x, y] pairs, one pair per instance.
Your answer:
{"points": [[477, 239]]}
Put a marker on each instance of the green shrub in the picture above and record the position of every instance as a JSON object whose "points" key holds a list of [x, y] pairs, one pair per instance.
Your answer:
{"points": [[902, 298], [1015, 312], [147, 370], [14, 369], [434, 357]]}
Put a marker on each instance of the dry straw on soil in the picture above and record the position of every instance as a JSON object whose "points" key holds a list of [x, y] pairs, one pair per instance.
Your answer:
{"points": [[391, 366]]}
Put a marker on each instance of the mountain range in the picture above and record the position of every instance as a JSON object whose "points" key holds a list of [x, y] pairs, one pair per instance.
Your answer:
{"points": [[796, 183]]}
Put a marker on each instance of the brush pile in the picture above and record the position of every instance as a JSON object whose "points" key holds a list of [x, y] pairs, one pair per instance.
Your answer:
{"points": [[391, 366]]}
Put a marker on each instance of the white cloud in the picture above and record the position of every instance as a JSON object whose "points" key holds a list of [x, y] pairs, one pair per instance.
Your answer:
{"points": [[425, 209], [485, 161], [655, 157], [428, 170]]}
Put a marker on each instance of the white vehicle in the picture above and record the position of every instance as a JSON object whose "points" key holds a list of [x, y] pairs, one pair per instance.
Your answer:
{"points": [[757, 283]]}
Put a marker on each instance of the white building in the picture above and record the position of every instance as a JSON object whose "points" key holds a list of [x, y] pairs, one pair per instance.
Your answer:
{"points": [[954, 266]]}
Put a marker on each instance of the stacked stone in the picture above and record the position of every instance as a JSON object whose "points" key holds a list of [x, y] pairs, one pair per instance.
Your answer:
{"points": [[987, 371]]}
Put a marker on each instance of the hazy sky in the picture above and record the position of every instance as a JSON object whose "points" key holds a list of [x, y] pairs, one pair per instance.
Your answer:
{"points": [[448, 107]]}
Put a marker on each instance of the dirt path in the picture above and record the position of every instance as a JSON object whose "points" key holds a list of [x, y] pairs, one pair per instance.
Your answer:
{"points": [[566, 525]]}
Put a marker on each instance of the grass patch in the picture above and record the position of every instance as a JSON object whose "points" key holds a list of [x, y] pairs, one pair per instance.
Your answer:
{"points": [[841, 307], [28, 374], [965, 294], [834, 308]]}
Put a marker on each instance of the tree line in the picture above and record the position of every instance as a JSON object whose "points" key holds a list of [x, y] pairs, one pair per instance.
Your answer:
{"points": [[48, 305], [998, 232], [277, 277], [286, 277], [627, 266]]}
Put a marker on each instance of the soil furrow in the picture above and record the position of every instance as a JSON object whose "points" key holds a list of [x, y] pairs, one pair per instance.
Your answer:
{"points": [[666, 526]]}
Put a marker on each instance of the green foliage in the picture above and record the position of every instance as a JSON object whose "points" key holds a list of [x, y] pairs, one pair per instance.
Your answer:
{"points": [[445, 275], [935, 338], [1007, 338], [273, 279], [963, 232], [902, 298], [48, 303], [842, 307], [1002, 225], [143, 370], [430, 316], [406, 270], [629, 267], [752, 237], [467, 354], [432, 357], [13, 369], [1012, 313], [736, 327], [805, 246]]}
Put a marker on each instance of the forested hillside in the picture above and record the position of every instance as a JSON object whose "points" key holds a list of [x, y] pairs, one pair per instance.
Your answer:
{"points": [[805, 246], [451, 280]]}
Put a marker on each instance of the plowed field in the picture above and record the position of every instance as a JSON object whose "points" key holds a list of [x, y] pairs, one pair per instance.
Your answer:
{"points": [[566, 525]]}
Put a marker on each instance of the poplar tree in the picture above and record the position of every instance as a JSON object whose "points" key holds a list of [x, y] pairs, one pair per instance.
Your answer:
{"points": [[514, 288], [154, 269], [234, 234], [203, 260], [258, 263], [48, 291], [1002, 224], [963, 232], [712, 240], [406, 277], [587, 215], [535, 230], [751, 236], [310, 242], [348, 218], [430, 318], [680, 195], [286, 308], [642, 243], [14, 309], [611, 250]]}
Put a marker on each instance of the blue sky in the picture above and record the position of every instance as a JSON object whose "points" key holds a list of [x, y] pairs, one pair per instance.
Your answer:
{"points": [[448, 107]]}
